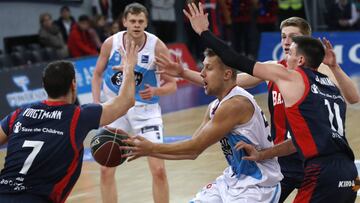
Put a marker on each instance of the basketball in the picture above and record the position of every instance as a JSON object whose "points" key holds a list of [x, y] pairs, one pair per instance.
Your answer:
{"points": [[105, 146]]}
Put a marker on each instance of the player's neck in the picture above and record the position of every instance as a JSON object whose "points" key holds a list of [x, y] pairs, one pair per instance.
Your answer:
{"points": [[226, 90], [63, 99], [138, 41]]}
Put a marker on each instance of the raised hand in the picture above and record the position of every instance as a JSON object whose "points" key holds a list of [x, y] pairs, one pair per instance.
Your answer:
{"points": [[199, 21], [166, 66], [253, 154], [330, 57], [130, 58], [148, 92]]}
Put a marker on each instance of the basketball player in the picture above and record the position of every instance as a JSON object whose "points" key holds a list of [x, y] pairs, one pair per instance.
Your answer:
{"points": [[232, 117], [45, 139], [292, 165], [145, 117], [315, 112]]}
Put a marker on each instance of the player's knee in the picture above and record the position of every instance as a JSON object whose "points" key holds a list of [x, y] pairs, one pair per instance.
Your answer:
{"points": [[159, 173]]}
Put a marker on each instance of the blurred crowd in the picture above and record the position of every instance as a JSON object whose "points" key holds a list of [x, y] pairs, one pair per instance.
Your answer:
{"points": [[238, 22]]}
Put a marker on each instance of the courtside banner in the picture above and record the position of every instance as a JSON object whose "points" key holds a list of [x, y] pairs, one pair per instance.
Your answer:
{"points": [[346, 46], [20, 87], [84, 68]]}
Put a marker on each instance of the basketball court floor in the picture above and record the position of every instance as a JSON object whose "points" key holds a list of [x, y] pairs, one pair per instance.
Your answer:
{"points": [[183, 113]]}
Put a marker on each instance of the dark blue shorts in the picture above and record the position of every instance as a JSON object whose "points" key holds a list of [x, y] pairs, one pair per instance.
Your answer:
{"points": [[23, 197], [292, 167], [328, 179]]}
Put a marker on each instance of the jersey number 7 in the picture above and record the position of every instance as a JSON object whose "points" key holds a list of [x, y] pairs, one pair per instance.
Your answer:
{"points": [[36, 145]]}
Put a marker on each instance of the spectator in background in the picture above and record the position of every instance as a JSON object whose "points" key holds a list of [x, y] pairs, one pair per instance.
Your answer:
{"points": [[80, 40], [342, 15], [65, 22], [244, 13], [164, 19], [267, 15], [50, 36], [291, 8], [115, 28], [215, 9], [102, 8], [101, 27]]}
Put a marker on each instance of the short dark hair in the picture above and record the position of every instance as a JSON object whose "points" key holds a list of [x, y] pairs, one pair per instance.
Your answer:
{"points": [[57, 78], [64, 8], [135, 8], [84, 18], [298, 22], [210, 53], [311, 48]]}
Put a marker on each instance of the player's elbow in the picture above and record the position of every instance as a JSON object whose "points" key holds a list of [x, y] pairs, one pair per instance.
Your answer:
{"points": [[354, 99]]}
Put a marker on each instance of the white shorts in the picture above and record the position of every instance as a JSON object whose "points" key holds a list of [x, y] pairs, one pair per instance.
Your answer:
{"points": [[220, 192], [142, 119]]}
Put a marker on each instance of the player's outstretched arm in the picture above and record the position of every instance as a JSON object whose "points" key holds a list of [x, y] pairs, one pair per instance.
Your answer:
{"points": [[246, 81], [99, 69], [337, 75], [235, 111], [283, 149], [119, 105], [173, 68]]}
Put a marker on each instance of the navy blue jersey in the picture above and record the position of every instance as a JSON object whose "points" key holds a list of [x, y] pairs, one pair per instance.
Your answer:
{"points": [[317, 120], [45, 148], [291, 165]]}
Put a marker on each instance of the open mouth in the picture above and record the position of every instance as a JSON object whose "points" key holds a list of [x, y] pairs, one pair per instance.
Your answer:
{"points": [[205, 84]]}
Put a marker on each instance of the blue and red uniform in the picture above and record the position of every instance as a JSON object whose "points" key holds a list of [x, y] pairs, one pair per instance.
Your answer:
{"points": [[317, 123], [45, 150], [291, 165]]}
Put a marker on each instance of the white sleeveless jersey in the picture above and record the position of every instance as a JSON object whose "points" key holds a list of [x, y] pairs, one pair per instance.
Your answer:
{"points": [[243, 173], [144, 70]]}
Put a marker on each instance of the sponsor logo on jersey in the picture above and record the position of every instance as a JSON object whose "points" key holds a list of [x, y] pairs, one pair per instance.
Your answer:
{"points": [[117, 78], [315, 89], [346, 183], [144, 58], [42, 114], [225, 147], [17, 127]]}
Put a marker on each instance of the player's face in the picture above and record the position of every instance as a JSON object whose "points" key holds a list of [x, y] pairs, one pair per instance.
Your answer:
{"points": [[294, 59], [286, 37], [135, 24], [212, 74]]}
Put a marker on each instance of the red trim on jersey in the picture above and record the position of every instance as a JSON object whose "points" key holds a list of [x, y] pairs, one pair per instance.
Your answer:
{"points": [[298, 125], [54, 103], [123, 41], [308, 186], [56, 194], [12, 120]]}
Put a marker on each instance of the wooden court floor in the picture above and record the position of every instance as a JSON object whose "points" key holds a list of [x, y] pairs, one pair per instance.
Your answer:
{"points": [[185, 177]]}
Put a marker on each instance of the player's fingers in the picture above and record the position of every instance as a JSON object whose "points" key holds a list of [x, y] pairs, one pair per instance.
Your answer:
{"points": [[191, 10], [118, 68], [201, 9], [239, 145], [196, 10], [160, 72], [330, 45], [248, 158], [133, 158], [188, 15]]}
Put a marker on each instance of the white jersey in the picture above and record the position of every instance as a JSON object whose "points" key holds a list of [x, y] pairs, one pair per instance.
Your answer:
{"points": [[144, 70], [243, 173]]}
